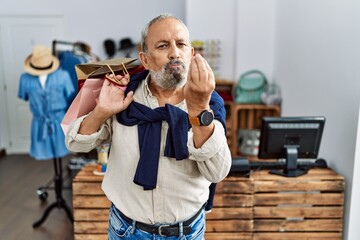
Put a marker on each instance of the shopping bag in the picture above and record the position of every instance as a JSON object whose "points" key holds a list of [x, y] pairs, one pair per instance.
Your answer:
{"points": [[101, 68], [84, 102]]}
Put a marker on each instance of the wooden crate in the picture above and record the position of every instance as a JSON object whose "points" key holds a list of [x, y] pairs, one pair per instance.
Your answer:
{"points": [[231, 216], [305, 207], [248, 116], [91, 207]]}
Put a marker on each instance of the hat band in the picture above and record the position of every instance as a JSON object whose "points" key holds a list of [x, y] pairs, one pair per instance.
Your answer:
{"points": [[41, 68]]}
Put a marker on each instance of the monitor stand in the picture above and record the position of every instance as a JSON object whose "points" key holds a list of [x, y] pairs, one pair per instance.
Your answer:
{"points": [[291, 169]]}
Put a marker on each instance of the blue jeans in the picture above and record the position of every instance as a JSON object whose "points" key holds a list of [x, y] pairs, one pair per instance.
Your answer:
{"points": [[120, 229]]}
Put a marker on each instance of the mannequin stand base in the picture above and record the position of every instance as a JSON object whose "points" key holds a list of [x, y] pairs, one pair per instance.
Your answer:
{"points": [[60, 202]]}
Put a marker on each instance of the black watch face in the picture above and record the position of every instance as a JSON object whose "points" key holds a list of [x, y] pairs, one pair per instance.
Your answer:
{"points": [[206, 118]]}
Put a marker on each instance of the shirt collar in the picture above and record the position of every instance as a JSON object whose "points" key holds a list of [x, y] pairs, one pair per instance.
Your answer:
{"points": [[146, 88]]}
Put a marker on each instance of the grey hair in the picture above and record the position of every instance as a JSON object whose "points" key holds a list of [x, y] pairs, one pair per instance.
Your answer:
{"points": [[145, 31]]}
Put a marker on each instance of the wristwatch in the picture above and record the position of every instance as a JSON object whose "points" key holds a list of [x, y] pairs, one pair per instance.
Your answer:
{"points": [[205, 118]]}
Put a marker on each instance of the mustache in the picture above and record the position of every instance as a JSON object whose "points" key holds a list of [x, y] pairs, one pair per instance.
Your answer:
{"points": [[174, 61]]}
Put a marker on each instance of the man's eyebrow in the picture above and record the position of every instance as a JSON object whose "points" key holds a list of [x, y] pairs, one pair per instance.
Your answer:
{"points": [[161, 41], [181, 40]]}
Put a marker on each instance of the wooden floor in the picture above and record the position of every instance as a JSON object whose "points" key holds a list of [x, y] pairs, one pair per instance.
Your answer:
{"points": [[20, 206]]}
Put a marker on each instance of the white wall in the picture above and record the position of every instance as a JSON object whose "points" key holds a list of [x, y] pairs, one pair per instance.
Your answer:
{"points": [[3, 117], [354, 215], [208, 20], [245, 29], [317, 64], [255, 37]]}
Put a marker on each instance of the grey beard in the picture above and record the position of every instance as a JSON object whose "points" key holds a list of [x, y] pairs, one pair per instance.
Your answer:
{"points": [[169, 78]]}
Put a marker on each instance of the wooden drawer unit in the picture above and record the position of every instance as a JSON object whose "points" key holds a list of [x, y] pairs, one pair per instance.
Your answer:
{"points": [[305, 207], [91, 207], [231, 216], [261, 206]]}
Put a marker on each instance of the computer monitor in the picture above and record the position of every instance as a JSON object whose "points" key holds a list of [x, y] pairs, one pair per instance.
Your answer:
{"points": [[290, 138]]}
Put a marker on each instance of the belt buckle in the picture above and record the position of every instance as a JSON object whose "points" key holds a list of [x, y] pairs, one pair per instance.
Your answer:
{"points": [[160, 230]]}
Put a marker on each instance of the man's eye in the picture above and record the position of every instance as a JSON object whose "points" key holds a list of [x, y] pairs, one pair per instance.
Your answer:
{"points": [[162, 46], [182, 44]]}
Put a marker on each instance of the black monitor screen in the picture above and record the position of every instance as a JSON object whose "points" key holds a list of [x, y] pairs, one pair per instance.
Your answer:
{"points": [[290, 138]]}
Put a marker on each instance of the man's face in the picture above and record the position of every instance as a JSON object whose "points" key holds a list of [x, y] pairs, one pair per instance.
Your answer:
{"points": [[169, 53]]}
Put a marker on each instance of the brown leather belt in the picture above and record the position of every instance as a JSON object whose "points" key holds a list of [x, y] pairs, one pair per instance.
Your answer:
{"points": [[163, 230]]}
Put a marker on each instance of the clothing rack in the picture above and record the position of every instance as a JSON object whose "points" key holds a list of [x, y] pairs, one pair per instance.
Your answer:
{"points": [[79, 48], [74, 47], [55, 43], [57, 46]]}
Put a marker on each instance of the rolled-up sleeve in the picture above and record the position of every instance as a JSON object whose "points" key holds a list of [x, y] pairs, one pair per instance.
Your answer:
{"points": [[214, 157], [84, 143]]}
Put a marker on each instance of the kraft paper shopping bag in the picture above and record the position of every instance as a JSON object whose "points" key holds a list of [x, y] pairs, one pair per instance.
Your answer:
{"points": [[101, 68]]}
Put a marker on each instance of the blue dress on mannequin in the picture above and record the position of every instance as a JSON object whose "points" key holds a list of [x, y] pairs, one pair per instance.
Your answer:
{"points": [[48, 106]]}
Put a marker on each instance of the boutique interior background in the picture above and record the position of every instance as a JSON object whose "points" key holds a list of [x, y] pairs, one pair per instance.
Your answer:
{"points": [[311, 48]]}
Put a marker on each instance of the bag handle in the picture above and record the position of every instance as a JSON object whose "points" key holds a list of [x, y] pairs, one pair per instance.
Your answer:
{"points": [[252, 72], [243, 75], [114, 79]]}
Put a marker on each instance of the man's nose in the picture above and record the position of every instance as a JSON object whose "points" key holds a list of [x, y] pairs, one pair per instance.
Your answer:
{"points": [[174, 52]]}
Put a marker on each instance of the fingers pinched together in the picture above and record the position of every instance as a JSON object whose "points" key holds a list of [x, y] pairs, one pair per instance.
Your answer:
{"points": [[200, 83]]}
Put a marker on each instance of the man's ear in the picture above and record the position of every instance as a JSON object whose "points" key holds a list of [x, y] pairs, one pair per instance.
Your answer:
{"points": [[192, 51], [143, 60]]}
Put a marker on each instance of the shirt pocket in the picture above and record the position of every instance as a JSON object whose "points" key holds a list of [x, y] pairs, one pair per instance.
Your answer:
{"points": [[186, 166]]}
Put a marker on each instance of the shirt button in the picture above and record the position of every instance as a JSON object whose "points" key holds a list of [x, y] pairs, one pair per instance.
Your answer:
{"points": [[157, 186]]}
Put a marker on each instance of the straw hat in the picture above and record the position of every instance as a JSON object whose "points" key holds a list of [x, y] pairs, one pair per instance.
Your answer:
{"points": [[41, 61]]}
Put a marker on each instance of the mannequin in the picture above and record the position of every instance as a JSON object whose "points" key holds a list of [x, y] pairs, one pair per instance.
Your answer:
{"points": [[48, 104]]}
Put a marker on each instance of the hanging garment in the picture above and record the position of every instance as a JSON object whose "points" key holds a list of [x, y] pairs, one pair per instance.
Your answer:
{"points": [[48, 106], [68, 60]]}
